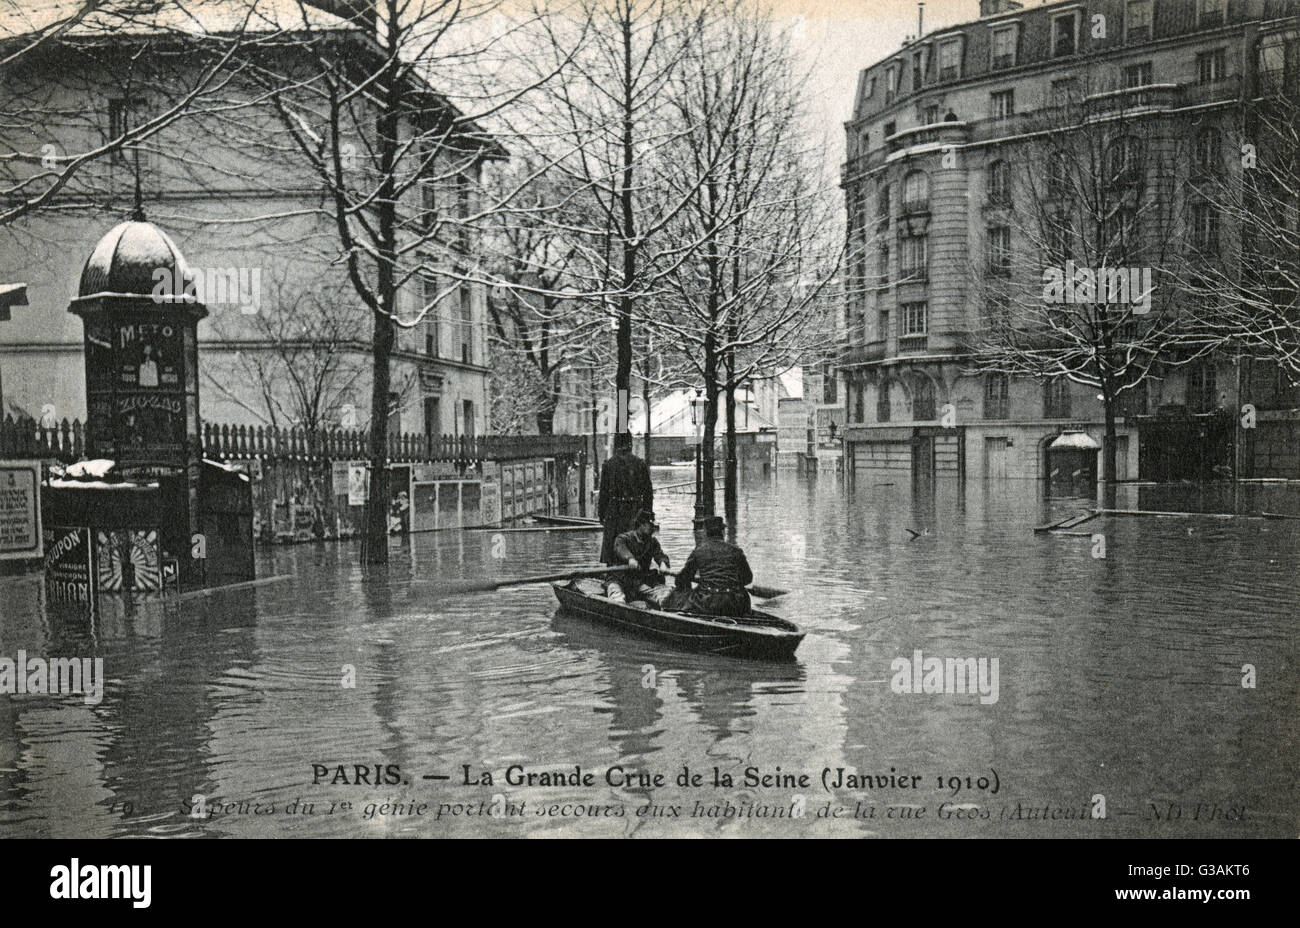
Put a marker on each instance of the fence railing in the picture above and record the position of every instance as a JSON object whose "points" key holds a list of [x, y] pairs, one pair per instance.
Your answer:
{"points": [[66, 442]]}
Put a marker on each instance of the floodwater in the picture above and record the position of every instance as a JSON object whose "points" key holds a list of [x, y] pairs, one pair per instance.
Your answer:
{"points": [[1120, 707]]}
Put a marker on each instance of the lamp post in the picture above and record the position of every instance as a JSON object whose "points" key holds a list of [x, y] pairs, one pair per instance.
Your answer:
{"points": [[697, 419]]}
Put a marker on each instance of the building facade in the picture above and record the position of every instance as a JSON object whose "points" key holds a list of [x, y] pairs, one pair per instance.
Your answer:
{"points": [[288, 340], [941, 200]]}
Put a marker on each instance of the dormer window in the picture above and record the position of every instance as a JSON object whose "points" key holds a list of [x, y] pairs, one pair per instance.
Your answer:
{"points": [[918, 70], [1137, 21], [1065, 34], [950, 59], [1209, 13], [891, 83], [1004, 46]]}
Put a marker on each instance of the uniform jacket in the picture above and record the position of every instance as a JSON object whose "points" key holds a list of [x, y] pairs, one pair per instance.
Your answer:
{"points": [[624, 491]]}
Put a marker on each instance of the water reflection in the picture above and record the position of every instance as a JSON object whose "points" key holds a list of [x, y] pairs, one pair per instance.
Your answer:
{"points": [[1120, 676]]}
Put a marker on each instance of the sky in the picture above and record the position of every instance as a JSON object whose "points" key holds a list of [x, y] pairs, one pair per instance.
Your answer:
{"points": [[838, 38]]}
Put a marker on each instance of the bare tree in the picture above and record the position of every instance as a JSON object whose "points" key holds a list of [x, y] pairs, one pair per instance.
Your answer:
{"points": [[1084, 293], [1249, 194], [748, 259], [399, 164], [159, 65]]}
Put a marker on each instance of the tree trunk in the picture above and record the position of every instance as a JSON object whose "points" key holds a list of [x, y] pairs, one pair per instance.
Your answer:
{"points": [[707, 502], [730, 501], [623, 368], [1108, 448], [375, 548], [645, 401]]}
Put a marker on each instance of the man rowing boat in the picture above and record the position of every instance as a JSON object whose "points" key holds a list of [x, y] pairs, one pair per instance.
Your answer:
{"points": [[640, 550], [722, 571]]}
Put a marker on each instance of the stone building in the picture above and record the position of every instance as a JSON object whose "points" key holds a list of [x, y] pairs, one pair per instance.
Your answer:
{"points": [[934, 187], [287, 341]]}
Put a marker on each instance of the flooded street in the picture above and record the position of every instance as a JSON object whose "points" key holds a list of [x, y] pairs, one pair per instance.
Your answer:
{"points": [[1118, 677]]}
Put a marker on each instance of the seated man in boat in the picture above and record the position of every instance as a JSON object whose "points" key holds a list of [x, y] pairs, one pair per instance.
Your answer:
{"points": [[721, 571], [641, 551]]}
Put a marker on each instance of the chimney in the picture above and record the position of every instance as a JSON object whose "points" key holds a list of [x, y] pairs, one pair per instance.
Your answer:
{"points": [[920, 20]]}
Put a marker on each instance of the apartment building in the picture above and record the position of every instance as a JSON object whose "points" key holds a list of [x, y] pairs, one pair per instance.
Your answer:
{"points": [[940, 195]]}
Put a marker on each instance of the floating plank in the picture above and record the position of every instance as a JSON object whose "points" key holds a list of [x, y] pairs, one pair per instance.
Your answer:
{"points": [[1154, 512], [1068, 521], [1277, 515], [244, 585]]}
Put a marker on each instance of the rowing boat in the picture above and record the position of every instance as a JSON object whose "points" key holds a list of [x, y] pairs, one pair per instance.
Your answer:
{"points": [[757, 635]]}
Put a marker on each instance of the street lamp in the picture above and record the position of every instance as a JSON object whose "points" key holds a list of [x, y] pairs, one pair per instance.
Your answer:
{"points": [[698, 404]]}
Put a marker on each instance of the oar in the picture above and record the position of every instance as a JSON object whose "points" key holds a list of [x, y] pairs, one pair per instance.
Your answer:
{"points": [[484, 586]]}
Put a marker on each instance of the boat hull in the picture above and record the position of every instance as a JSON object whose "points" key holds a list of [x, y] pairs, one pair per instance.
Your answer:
{"points": [[760, 636]]}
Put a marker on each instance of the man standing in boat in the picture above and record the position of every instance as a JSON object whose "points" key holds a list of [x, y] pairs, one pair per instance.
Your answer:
{"points": [[624, 491], [640, 550], [721, 571]]}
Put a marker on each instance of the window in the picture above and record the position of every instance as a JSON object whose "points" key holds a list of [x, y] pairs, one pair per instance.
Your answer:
{"points": [[1211, 67], [918, 70], [1004, 47], [830, 386], [1065, 34], [1202, 394], [882, 402], [950, 60], [870, 90], [432, 416], [466, 324], [997, 396], [999, 181], [1002, 104], [916, 191], [1120, 234], [1209, 146], [428, 205], [1065, 92], [890, 129], [930, 115], [914, 320], [1209, 13], [429, 287], [1137, 21], [1060, 238], [912, 257], [462, 212], [1125, 159], [999, 253], [394, 413], [882, 207], [1205, 227], [884, 263], [859, 402], [1138, 75], [891, 84], [997, 311], [467, 418], [1058, 175], [882, 325], [1056, 399], [124, 116], [922, 399]]}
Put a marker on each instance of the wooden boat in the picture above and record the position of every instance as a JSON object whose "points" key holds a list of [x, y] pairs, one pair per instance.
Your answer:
{"points": [[757, 635]]}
